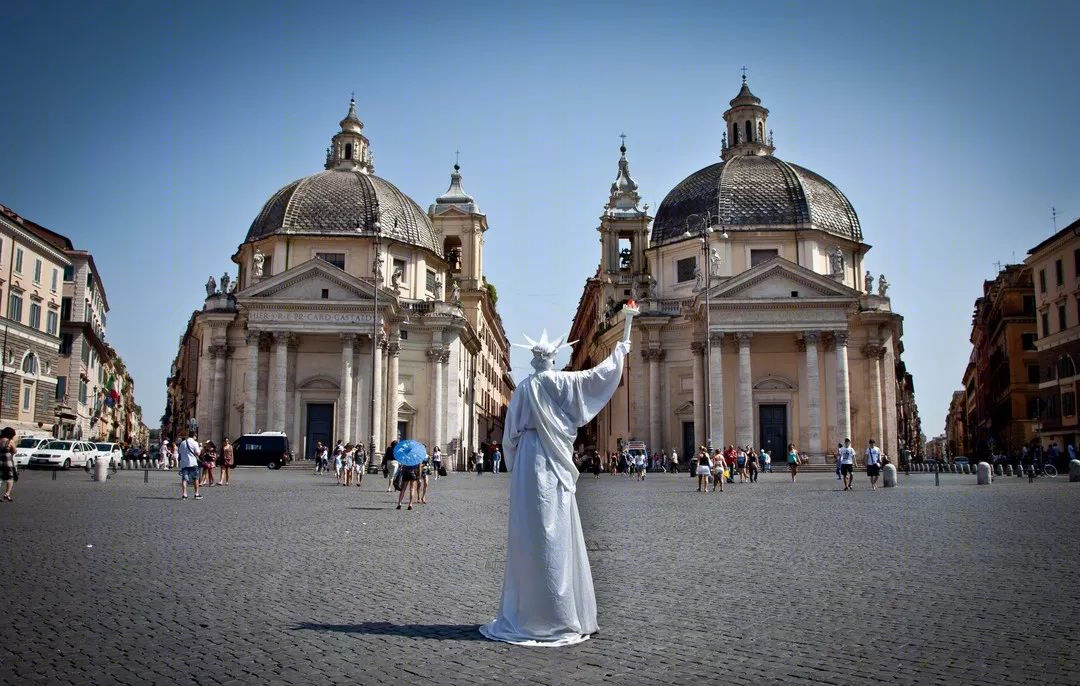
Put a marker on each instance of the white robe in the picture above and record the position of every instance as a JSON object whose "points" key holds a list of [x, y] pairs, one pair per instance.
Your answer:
{"points": [[547, 596]]}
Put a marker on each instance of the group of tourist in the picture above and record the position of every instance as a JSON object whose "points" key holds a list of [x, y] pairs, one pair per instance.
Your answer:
{"points": [[846, 463], [197, 461], [349, 461]]}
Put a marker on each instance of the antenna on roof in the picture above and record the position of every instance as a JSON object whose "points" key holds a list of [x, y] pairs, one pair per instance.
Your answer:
{"points": [[1053, 213]]}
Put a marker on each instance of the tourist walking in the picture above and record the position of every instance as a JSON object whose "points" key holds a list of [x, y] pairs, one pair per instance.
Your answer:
{"points": [[188, 458], [731, 458], [740, 462], [410, 481], [752, 465], [360, 462], [793, 461], [642, 464], [346, 464], [228, 460], [766, 460], [847, 463], [873, 463], [496, 458], [703, 471], [718, 470], [839, 447], [391, 465], [209, 457], [478, 463], [9, 471], [673, 462], [596, 464], [425, 480], [318, 457], [436, 462]]}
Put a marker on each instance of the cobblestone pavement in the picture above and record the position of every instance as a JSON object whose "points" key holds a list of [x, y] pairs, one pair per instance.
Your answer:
{"points": [[286, 578]]}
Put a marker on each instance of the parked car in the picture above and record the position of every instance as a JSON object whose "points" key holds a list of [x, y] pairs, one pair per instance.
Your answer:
{"points": [[25, 447], [111, 452], [269, 448], [63, 454], [961, 461]]}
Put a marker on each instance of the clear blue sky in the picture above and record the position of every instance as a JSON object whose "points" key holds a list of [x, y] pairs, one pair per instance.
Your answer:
{"points": [[151, 134]]}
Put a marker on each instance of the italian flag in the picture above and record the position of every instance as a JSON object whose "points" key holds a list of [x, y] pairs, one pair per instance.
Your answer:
{"points": [[112, 397]]}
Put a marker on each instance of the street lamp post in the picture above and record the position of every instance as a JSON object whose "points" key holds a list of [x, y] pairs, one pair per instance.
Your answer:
{"points": [[703, 237], [376, 277]]}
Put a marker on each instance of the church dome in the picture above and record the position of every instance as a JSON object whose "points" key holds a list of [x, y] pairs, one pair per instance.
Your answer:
{"points": [[757, 192], [346, 199], [336, 202], [752, 189]]}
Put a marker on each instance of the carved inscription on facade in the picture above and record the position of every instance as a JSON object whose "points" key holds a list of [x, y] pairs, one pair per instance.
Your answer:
{"points": [[310, 317]]}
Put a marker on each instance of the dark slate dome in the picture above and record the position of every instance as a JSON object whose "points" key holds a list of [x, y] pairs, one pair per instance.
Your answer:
{"points": [[336, 202], [758, 192]]}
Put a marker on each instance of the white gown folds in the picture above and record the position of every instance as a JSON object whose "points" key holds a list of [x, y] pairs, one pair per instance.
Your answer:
{"points": [[547, 596]]}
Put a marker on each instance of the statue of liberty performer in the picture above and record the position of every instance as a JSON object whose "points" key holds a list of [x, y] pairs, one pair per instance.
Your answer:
{"points": [[547, 595]]}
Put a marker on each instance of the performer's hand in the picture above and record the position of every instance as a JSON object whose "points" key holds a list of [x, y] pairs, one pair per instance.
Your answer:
{"points": [[630, 310]]}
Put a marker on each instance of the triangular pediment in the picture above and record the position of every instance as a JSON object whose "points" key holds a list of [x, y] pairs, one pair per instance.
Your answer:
{"points": [[779, 279], [307, 281]]}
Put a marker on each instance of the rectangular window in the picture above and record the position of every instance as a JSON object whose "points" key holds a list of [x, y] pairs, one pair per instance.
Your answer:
{"points": [[18, 260], [1033, 373], [430, 284], [15, 308], [90, 281], [1027, 341], [335, 258], [85, 353], [1033, 408], [65, 344], [35, 316], [82, 391], [685, 268], [1059, 273], [69, 273], [1062, 325], [61, 387], [268, 263], [37, 271], [65, 309], [1045, 325], [1029, 305], [26, 392], [1042, 280], [52, 323], [761, 256], [1068, 404], [55, 278]]}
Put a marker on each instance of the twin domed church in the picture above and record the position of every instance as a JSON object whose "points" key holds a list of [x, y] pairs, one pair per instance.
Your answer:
{"points": [[758, 325], [343, 279]]}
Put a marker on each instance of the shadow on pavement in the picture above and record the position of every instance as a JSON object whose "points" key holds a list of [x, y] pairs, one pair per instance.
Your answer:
{"points": [[442, 632], [388, 507]]}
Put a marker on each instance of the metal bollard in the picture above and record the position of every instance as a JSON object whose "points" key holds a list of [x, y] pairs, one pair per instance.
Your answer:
{"points": [[54, 475], [937, 476], [146, 476]]}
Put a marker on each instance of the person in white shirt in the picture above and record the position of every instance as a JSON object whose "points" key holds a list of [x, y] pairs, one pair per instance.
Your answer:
{"points": [[847, 464], [188, 458], [873, 463]]}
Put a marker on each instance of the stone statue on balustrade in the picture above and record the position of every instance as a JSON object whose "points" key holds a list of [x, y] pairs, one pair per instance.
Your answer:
{"points": [[455, 291], [882, 286], [211, 286], [225, 282], [395, 280], [868, 281], [257, 264]]}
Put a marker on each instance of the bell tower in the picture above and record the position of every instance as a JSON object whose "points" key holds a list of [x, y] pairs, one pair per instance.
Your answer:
{"points": [[348, 149], [624, 236], [746, 126]]}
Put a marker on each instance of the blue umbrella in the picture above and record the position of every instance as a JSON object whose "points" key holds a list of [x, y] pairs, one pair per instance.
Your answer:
{"points": [[410, 453]]}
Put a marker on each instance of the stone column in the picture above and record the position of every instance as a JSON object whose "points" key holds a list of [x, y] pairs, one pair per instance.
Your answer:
{"points": [[393, 350], [744, 417], [843, 390], [217, 413], [654, 356], [345, 429], [873, 355], [251, 383], [698, 350], [436, 354], [275, 420], [716, 389], [813, 392], [204, 399], [378, 383]]}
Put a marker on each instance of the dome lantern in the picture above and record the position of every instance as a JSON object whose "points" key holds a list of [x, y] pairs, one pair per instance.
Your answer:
{"points": [[624, 197], [746, 125], [349, 149]]}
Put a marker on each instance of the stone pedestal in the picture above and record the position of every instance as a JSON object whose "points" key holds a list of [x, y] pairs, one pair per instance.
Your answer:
{"points": [[888, 476], [1074, 471], [984, 477]]}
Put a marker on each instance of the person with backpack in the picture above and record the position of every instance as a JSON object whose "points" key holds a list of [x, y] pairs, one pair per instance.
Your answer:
{"points": [[188, 458]]}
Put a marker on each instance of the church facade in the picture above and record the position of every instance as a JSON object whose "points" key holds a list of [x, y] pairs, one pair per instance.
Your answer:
{"points": [[353, 315], [758, 325]]}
